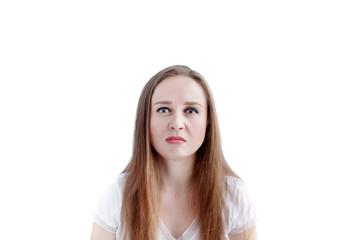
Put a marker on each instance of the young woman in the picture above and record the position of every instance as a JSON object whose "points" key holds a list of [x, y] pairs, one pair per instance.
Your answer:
{"points": [[177, 184]]}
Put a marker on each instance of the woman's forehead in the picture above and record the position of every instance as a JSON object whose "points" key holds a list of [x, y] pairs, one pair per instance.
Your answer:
{"points": [[179, 89]]}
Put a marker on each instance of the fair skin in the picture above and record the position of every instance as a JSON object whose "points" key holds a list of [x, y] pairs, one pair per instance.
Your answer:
{"points": [[98, 233], [178, 108]]}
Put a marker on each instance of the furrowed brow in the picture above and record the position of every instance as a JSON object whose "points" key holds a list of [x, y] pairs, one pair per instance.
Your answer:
{"points": [[170, 103]]}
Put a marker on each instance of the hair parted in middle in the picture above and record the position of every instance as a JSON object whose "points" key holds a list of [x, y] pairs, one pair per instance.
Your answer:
{"points": [[139, 215]]}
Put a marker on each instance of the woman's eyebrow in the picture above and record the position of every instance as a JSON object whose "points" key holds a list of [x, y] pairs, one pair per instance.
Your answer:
{"points": [[170, 103], [193, 103], [163, 102]]}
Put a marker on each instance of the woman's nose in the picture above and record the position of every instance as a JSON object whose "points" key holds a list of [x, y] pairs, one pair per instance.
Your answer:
{"points": [[176, 123]]}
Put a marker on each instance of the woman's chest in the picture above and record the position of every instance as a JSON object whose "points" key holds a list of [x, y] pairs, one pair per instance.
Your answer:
{"points": [[177, 215]]}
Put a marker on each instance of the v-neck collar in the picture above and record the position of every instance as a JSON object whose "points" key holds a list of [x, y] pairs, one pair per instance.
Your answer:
{"points": [[185, 236]]}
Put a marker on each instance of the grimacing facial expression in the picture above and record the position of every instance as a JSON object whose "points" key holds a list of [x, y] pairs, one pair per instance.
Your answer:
{"points": [[178, 118]]}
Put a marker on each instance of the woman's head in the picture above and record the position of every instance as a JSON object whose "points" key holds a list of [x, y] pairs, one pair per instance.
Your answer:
{"points": [[170, 85]]}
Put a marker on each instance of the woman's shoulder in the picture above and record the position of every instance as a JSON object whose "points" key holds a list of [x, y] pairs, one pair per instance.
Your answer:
{"points": [[233, 182], [112, 194], [240, 209], [120, 179], [236, 190], [108, 209]]}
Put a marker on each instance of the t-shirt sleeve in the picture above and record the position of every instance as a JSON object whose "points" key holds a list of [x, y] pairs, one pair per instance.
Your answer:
{"points": [[241, 209], [108, 209]]}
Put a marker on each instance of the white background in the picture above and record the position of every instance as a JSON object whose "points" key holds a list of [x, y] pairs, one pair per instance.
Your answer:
{"points": [[284, 74]]}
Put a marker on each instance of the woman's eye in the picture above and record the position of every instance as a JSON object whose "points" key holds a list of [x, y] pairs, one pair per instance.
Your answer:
{"points": [[191, 111], [163, 110]]}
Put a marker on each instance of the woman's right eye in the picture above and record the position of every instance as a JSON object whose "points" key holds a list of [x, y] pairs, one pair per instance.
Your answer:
{"points": [[163, 110]]}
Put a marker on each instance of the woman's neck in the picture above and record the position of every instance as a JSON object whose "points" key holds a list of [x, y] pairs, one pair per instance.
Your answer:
{"points": [[176, 175]]}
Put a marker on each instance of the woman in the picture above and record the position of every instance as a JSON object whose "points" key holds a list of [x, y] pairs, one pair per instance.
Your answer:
{"points": [[177, 184]]}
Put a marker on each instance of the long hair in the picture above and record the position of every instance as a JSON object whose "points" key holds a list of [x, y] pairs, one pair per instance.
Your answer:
{"points": [[139, 215]]}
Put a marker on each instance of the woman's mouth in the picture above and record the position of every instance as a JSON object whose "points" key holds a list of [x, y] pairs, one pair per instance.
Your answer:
{"points": [[175, 140]]}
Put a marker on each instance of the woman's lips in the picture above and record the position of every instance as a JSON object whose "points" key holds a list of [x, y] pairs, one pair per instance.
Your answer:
{"points": [[175, 140]]}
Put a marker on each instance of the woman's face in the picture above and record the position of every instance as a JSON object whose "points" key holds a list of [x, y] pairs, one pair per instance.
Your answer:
{"points": [[178, 118]]}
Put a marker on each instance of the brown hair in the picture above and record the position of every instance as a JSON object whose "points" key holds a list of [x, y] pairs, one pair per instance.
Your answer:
{"points": [[139, 215]]}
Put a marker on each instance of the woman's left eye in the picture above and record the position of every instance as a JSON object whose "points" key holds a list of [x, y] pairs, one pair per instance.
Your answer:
{"points": [[191, 111]]}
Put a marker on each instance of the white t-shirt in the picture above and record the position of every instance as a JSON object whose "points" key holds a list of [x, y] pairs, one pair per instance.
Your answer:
{"points": [[239, 215]]}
